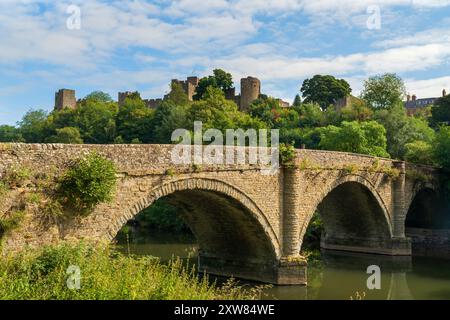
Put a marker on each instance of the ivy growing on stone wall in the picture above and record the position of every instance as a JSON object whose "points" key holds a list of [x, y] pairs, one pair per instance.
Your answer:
{"points": [[88, 182]]}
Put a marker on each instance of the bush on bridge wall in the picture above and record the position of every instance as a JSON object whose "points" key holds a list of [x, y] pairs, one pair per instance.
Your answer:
{"points": [[88, 182]]}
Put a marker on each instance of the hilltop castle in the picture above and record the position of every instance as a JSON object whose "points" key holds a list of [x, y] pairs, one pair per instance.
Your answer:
{"points": [[250, 91]]}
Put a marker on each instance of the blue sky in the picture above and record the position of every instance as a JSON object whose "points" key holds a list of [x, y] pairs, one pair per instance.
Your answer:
{"points": [[141, 45]]}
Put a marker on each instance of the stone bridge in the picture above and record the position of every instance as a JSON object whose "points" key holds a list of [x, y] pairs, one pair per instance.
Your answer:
{"points": [[248, 225]]}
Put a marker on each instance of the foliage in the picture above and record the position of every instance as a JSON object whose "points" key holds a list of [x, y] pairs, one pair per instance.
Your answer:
{"points": [[313, 233], [134, 121], [10, 134], [351, 168], [34, 126], [401, 130], [68, 135], [364, 138], [220, 79], [383, 91], [440, 112], [324, 90], [441, 150], [419, 152], [10, 222], [17, 176], [163, 216], [88, 182], [99, 96], [287, 153], [106, 275]]}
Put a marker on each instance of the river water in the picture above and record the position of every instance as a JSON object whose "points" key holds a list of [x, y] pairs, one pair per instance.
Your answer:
{"points": [[337, 276]]}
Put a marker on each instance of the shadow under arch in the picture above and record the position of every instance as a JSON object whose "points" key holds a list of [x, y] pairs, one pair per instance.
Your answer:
{"points": [[425, 210], [427, 223], [234, 236], [355, 218]]}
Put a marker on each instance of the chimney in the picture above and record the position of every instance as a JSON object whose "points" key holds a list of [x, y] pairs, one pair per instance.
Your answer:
{"points": [[414, 97], [408, 98], [444, 93]]}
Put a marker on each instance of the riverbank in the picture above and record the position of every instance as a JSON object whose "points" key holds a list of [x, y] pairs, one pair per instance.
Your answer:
{"points": [[106, 274]]}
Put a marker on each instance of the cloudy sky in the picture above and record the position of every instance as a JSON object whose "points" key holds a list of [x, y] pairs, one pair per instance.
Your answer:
{"points": [[141, 45]]}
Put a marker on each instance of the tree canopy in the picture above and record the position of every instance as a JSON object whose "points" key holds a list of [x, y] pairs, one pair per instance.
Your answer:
{"points": [[383, 91], [324, 90]]}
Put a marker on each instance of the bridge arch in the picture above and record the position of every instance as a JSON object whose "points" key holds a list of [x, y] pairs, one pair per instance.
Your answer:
{"points": [[424, 209], [355, 216], [226, 222]]}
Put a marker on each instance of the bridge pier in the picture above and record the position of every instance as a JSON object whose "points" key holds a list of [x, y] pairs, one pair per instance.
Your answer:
{"points": [[286, 271]]}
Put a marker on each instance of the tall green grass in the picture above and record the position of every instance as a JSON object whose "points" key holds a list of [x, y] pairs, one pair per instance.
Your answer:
{"points": [[106, 275]]}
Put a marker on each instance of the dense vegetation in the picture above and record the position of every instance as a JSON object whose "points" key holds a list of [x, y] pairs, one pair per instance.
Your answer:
{"points": [[105, 275], [376, 123]]}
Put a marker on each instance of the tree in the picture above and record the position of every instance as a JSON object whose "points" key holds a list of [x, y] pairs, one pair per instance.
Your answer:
{"points": [[357, 110], [324, 90], [441, 149], [35, 126], [135, 121], [177, 94], [220, 79], [68, 135], [297, 101], [358, 137], [440, 112], [311, 115], [95, 120], [419, 152], [402, 129], [99, 96], [10, 134], [383, 91]]}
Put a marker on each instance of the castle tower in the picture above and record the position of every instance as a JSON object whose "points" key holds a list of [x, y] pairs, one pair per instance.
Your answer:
{"points": [[65, 98], [250, 91], [444, 92], [123, 96], [189, 86]]}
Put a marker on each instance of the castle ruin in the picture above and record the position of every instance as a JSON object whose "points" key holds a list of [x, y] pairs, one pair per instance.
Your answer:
{"points": [[65, 98], [250, 91]]}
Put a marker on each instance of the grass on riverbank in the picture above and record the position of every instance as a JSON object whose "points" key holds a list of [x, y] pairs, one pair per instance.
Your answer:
{"points": [[106, 274]]}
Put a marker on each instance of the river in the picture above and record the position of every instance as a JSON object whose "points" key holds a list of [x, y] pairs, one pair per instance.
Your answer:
{"points": [[333, 275]]}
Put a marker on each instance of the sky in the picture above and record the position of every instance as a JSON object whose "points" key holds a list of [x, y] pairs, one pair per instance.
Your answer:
{"points": [[113, 45]]}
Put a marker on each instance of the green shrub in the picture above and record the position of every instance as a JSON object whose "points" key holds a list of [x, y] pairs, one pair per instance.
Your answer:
{"points": [[88, 182], [3, 188], [287, 153]]}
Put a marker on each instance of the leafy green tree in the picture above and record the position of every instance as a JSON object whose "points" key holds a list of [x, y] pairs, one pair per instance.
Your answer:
{"points": [[68, 135], [177, 94], [35, 126], [383, 91], [135, 121], [10, 134], [440, 112], [357, 110], [311, 115], [99, 96], [402, 129], [96, 121], [220, 79], [419, 152], [358, 137], [324, 90], [441, 149], [297, 101], [169, 117]]}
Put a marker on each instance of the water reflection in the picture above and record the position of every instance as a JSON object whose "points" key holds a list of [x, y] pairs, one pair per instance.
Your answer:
{"points": [[335, 275]]}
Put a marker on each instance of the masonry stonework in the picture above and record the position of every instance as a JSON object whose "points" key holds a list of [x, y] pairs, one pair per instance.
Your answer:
{"points": [[247, 224]]}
